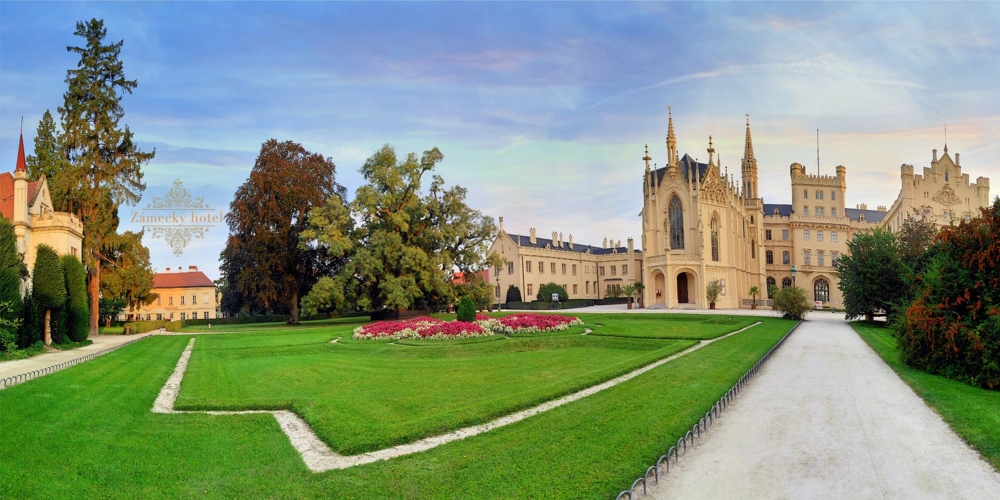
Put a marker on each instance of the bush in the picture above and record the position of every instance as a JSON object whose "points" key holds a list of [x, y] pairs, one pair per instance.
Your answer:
{"points": [[713, 291], [30, 332], [466, 310], [9, 324], [77, 310], [513, 294], [952, 328], [48, 284], [792, 301], [545, 293], [144, 326], [10, 294]]}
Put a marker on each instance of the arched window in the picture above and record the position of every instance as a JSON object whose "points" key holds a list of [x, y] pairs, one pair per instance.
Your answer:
{"points": [[946, 176], [770, 282], [715, 239], [676, 216], [821, 290], [786, 282]]}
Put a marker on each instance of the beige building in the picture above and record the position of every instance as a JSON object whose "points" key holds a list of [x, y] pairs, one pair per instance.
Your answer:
{"points": [[180, 295], [942, 192], [585, 271], [28, 205]]}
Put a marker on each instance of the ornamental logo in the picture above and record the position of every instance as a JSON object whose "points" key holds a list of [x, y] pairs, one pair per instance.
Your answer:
{"points": [[177, 218]]}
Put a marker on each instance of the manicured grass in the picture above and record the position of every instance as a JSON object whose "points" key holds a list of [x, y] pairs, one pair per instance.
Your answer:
{"points": [[87, 431], [351, 392], [665, 326], [973, 413], [111, 330]]}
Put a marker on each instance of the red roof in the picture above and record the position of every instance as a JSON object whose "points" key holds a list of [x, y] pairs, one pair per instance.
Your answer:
{"points": [[181, 280], [459, 277], [20, 156], [7, 195]]}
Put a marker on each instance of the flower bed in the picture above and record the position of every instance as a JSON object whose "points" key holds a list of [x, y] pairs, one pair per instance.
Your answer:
{"points": [[527, 323], [420, 328]]}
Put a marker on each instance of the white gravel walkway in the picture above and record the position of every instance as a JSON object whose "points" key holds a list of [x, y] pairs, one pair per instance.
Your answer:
{"points": [[827, 418]]}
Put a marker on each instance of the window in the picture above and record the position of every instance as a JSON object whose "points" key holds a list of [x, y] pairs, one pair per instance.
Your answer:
{"points": [[767, 234], [170, 301], [833, 236], [624, 269], [541, 267], [194, 298], [574, 269], [171, 317], [510, 268], [206, 312], [786, 258], [586, 286], [574, 290], [600, 271], [777, 212], [159, 317], [204, 298], [820, 212], [564, 268], [833, 257], [833, 212], [183, 316], [149, 317], [770, 282], [753, 249], [786, 282], [820, 258], [182, 300], [805, 193], [819, 235], [552, 267], [527, 266], [833, 195], [805, 211], [715, 239], [769, 255], [807, 257], [819, 195], [784, 235], [614, 270], [946, 176], [565, 287], [821, 290], [676, 216], [805, 235]]}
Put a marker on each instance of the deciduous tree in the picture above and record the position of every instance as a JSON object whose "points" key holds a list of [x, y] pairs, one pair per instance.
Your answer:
{"points": [[128, 273], [871, 274], [103, 160], [263, 260]]}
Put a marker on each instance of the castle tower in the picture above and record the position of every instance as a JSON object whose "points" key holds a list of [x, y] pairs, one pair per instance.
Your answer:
{"points": [[749, 166], [20, 187], [671, 140]]}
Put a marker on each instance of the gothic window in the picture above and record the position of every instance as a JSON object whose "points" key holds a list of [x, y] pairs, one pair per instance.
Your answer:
{"points": [[785, 283], [821, 290], [946, 176], [805, 193], [753, 249], [676, 216], [715, 239], [770, 283], [770, 257]]}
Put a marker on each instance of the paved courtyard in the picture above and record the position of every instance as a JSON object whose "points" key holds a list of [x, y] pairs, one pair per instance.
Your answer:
{"points": [[827, 418]]}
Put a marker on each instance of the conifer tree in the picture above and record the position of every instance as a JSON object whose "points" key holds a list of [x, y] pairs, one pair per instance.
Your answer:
{"points": [[48, 285], [50, 160], [77, 320], [104, 162]]}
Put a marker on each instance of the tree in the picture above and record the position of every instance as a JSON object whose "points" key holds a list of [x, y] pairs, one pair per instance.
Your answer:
{"points": [[49, 160], [792, 302], [401, 248], [754, 292], [952, 328], [545, 293], [263, 260], [466, 310], [9, 323], [513, 294], [871, 274], [77, 311], [129, 274], [915, 237], [110, 308], [473, 285], [104, 165], [712, 292], [629, 290], [48, 285], [12, 270]]}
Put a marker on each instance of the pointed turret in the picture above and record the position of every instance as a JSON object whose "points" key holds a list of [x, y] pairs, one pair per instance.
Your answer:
{"points": [[21, 165], [749, 166], [671, 140]]}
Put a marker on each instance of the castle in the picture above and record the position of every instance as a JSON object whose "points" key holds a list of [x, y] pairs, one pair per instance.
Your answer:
{"points": [[699, 226]]}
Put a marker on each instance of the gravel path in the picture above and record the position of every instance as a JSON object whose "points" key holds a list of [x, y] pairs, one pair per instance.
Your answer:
{"points": [[827, 418]]}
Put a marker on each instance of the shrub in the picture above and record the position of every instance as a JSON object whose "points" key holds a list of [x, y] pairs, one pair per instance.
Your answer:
{"points": [[792, 301], [9, 324], [48, 284], [466, 310], [30, 331], [545, 292], [952, 328], [713, 291], [10, 294], [513, 294]]}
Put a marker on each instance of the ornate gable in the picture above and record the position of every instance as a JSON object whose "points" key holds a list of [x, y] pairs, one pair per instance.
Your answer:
{"points": [[946, 196], [712, 188]]}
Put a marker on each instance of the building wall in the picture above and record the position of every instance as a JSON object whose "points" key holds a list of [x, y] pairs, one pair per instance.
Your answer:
{"points": [[176, 304], [941, 192]]}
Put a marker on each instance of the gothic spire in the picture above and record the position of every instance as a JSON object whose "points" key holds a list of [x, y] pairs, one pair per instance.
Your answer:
{"points": [[671, 139], [21, 165], [749, 166]]}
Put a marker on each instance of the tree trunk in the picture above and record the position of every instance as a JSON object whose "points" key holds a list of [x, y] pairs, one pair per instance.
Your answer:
{"points": [[870, 316], [48, 329], [293, 311], [94, 290]]}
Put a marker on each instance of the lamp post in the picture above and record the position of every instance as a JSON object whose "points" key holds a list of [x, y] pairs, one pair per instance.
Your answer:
{"points": [[793, 275], [496, 269]]}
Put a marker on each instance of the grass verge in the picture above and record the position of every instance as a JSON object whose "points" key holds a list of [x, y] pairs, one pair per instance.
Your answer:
{"points": [[973, 412]]}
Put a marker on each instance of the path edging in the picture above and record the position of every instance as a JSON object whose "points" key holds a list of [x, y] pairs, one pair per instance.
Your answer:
{"points": [[702, 424]]}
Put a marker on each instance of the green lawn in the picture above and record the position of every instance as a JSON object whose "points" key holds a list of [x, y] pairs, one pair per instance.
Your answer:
{"points": [[665, 326], [972, 412], [87, 431]]}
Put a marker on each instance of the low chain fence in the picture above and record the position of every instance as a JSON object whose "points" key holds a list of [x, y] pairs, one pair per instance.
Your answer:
{"points": [[24, 377], [662, 465]]}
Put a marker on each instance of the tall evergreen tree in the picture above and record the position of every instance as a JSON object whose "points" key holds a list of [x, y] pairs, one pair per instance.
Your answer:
{"points": [[11, 269], [103, 161], [77, 320], [48, 285], [50, 160]]}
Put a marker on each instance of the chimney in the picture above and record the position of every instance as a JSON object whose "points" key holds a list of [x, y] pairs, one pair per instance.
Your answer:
{"points": [[501, 223], [630, 243], [531, 236], [168, 269], [605, 244], [192, 269], [881, 208], [560, 240], [571, 242], [935, 155], [956, 160], [554, 240]]}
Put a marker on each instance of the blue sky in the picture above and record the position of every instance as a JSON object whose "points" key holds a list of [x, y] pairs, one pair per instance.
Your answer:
{"points": [[541, 109]]}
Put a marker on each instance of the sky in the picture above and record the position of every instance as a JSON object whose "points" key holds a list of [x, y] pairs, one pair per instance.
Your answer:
{"points": [[542, 110]]}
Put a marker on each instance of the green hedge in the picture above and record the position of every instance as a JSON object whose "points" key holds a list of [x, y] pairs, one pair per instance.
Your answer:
{"points": [[144, 326], [568, 304], [239, 320]]}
